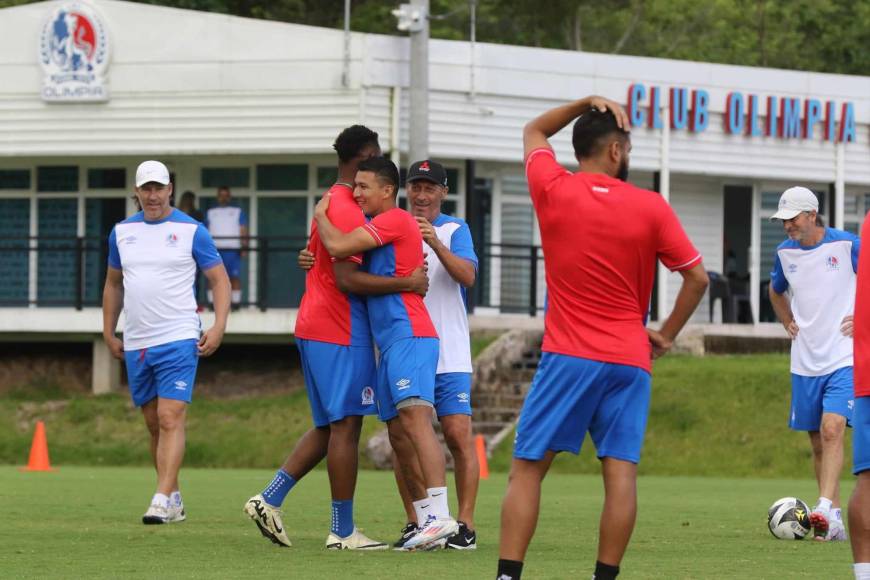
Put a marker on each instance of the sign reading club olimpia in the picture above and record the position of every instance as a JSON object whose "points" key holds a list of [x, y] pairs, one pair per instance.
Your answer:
{"points": [[74, 52]]}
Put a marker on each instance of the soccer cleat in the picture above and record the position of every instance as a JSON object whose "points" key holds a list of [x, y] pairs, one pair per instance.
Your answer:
{"points": [[433, 530], [176, 513], [464, 539], [408, 532], [268, 520], [156, 514], [836, 532], [356, 541], [819, 520]]}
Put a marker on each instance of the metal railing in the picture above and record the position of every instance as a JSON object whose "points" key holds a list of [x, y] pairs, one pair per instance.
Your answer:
{"points": [[53, 271]]}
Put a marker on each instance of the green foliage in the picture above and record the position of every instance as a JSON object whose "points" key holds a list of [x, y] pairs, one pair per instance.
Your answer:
{"points": [[812, 35], [712, 416], [85, 523]]}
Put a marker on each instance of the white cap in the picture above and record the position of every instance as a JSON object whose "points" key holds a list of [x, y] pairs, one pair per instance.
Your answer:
{"points": [[793, 201], [149, 171]]}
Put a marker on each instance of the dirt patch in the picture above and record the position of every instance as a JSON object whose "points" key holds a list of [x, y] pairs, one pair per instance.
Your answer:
{"points": [[55, 371]]}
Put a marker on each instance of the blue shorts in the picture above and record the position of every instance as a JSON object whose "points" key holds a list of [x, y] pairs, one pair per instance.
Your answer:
{"points": [[570, 396], [453, 394], [407, 369], [232, 262], [812, 396], [861, 435], [167, 371], [339, 380]]}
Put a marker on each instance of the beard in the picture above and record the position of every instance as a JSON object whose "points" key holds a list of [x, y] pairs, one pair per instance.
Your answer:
{"points": [[622, 172]]}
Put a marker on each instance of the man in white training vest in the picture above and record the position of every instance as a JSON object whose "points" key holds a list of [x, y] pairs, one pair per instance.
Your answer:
{"points": [[153, 257], [818, 265], [228, 225]]}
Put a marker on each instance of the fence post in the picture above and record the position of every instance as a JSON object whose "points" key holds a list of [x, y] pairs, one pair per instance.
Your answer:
{"points": [[262, 272], [533, 288], [80, 262]]}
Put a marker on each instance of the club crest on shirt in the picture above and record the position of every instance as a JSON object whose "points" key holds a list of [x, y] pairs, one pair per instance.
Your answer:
{"points": [[171, 240], [832, 263], [368, 396]]}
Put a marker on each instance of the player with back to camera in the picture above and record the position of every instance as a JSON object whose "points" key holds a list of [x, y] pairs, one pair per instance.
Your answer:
{"points": [[818, 265], [335, 346], [153, 257], [601, 238], [859, 505], [404, 334]]}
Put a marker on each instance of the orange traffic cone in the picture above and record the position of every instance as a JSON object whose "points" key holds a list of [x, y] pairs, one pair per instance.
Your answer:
{"points": [[39, 451], [480, 445]]}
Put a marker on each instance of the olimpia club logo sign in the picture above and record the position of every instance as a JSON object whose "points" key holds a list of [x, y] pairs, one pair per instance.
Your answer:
{"points": [[74, 53]]}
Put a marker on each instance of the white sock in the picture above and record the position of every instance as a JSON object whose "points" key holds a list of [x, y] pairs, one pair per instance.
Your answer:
{"points": [[862, 571], [837, 514], [160, 499], [210, 297], [175, 498], [237, 296], [824, 504], [422, 507], [438, 496]]}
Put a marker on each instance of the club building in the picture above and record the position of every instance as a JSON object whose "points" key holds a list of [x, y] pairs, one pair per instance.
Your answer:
{"points": [[90, 89]]}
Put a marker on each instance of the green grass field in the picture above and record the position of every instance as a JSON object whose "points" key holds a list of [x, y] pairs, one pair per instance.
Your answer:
{"points": [[84, 522]]}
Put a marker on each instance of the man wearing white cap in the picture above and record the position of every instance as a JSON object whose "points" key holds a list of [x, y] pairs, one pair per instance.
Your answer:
{"points": [[818, 265], [153, 257]]}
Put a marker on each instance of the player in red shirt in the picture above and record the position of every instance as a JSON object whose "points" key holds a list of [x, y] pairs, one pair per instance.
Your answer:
{"points": [[601, 239], [405, 336], [859, 505], [334, 340]]}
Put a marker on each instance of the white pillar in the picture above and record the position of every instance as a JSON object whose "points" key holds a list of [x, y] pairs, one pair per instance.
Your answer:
{"points": [[663, 306], [755, 255], [838, 219], [419, 90], [105, 369]]}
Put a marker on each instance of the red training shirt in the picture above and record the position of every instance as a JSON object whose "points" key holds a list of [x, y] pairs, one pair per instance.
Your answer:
{"points": [[326, 314], [861, 326], [601, 238]]}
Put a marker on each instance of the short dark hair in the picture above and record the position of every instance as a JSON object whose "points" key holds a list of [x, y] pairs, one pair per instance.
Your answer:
{"points": [[384, 169], [352, 140], [591, 131]]}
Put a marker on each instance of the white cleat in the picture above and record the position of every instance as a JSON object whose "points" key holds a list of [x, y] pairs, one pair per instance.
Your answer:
{"points": [[356, 541], [432, 531], [836, 532], [156, 514], [176, 513], [268, 520]]}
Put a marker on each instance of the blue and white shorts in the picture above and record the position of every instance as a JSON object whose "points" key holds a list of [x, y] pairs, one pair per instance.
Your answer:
{"points": [[232, 262], [339, 379], [861, 435], [407, 369], [570, 396], [453, 394], [813, 396], [167, 371]]}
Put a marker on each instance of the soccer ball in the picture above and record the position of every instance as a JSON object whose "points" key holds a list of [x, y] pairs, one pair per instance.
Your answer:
{"points": [[789, 519]]}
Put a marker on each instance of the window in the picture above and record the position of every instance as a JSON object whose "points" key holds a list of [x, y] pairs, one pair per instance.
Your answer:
{"points": [[14, 179], [57, 254], [107, 178], [226, 176], [282, 177], [57, 178], [14, 262], [326, 176]]}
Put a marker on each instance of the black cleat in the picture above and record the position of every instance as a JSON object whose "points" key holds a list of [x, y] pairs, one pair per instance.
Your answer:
{"points": [[464, 539], [409, 531]]}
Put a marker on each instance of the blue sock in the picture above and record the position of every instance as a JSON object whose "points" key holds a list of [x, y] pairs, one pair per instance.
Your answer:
{"points": [[276, 491], [342, 517]]}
